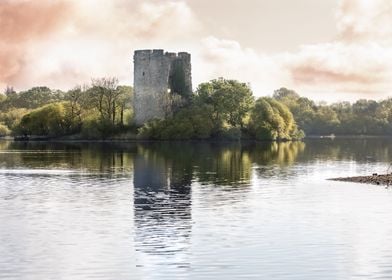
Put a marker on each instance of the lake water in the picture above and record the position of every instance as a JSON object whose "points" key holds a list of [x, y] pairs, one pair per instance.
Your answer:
{"points": [[194, 211]]}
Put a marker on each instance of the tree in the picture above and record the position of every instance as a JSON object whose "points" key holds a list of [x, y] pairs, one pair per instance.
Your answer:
{"points": [[36, 97], [45, 121], [271, 120], [11, 118], [230, 101], [4, 131], [110, 99], [3, 97], [192, 122], [125, 99], [75, 109], [302, 108], [103, 96], [325, 121], [286, 96], [9, 91]]}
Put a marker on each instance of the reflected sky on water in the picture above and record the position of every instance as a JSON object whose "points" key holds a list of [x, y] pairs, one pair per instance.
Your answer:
{"points": [[194, 210]]}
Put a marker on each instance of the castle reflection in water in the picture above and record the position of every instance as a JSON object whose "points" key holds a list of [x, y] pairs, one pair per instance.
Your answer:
{"points": [[162, 175]]}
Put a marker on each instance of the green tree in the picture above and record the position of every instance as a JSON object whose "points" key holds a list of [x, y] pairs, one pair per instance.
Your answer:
{"points": [[302, 108], [230, 101], [272, 120], [75, 108], [3, 97], [11, 118], [286, 96], [124, 103], [48, 120], [192, 122], [325, 121], [36, 97], [4, 131]]}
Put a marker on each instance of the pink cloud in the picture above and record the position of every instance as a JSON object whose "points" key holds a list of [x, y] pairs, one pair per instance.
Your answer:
{"points": [[64, 42], [358, 61], [22, 23]]}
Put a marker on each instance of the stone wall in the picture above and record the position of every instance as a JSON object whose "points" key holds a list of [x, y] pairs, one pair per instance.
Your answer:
{"points": [[157, 77]]}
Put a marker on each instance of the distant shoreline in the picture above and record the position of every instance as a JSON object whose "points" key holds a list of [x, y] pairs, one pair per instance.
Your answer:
{"points": [[65, 140], [348, 136], [212, 140]]}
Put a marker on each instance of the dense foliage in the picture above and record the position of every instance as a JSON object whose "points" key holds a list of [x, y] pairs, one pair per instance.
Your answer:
{"points": [[363, 117], [219, 109], [271, 119], [94, 112], [4, 131], [226, 109]]}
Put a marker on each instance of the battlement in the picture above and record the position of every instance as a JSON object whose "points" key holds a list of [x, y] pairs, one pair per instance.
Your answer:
{"points": [[157, 73], [143, 52], [184, 55], [160, 52]]}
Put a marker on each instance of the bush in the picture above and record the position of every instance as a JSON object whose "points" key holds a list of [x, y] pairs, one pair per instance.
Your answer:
{"points": [[48, 120], [4, 131], [150, 130], [12, 117], [188, 123], [232, 133], [90, 129], [271, 120], [94, 128]]}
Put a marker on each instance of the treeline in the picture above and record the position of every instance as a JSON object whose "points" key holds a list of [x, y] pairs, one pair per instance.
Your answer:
{"points": [[225, 109], [95, 111], [363, 117], [219, 109]]}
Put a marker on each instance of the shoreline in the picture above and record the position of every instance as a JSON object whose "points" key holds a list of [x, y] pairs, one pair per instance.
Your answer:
{"points": [[375, 179], [141, 140], [145, 141], [348, 136], [211, 140]]}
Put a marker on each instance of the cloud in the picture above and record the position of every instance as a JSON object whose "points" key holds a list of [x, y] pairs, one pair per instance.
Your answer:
{"points": [[363, 20], [22, 23], [358, 63], [340, 67], [135, 20], [25, 20], [227, 58], [61, 43]]}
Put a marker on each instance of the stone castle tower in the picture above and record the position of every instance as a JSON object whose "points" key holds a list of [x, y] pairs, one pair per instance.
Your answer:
{"points": [[159, 77]]}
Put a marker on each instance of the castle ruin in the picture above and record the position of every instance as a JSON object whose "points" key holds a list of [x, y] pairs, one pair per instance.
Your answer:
{"points": [[159, 78]]}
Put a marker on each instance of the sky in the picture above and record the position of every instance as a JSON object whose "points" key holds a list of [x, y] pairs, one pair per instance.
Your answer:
{"points": [[330, 50]]}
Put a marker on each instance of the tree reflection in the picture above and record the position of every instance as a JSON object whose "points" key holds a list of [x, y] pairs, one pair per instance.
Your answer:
{"points": [[100, 159], [350, 149], [164, 173], [4, 145], [156, 165], [279, 153], [223, 165]]}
